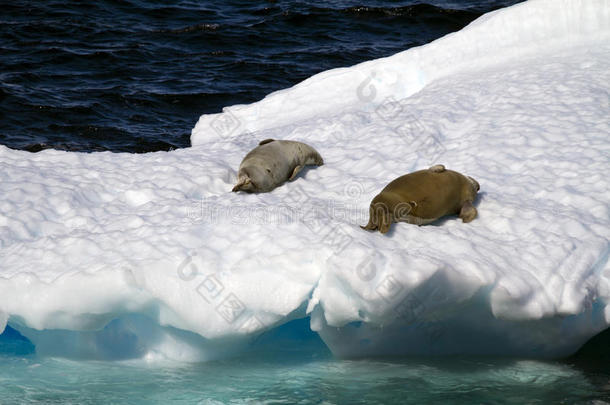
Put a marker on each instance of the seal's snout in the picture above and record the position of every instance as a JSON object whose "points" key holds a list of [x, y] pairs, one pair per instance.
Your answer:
{"points": [[474, 183], [242, 184]]}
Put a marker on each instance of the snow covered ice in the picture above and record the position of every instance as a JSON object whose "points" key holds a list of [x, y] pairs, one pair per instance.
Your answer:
{"points": [[151, 256]]}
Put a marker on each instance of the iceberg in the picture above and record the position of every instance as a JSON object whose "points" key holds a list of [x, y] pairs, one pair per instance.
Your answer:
{"points": [[116, 256]]}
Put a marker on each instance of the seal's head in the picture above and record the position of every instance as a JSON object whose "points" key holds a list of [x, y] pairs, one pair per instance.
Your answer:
{"points": [[253, 179], [244, 183], [474, 184]]}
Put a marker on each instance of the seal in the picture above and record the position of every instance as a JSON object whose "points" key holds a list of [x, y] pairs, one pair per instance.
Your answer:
{"points": [[423, 197], [273, 162]]}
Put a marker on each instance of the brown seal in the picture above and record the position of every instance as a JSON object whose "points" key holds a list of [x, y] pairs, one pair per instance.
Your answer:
{"points": [[273, 162], [422, 197]]}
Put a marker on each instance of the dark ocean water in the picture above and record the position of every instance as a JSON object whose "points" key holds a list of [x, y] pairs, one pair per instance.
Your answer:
{"points": [[135, 76]]}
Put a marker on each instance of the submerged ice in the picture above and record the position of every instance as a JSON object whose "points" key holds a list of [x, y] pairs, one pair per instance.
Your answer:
{"points": [[119, 256]]}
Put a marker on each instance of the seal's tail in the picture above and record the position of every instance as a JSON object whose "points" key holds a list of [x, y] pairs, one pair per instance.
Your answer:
{"points": [[370, 226], [379, 218]]}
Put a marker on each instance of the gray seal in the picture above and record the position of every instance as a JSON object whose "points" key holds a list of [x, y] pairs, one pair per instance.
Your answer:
{"points": [[273, 162], [423, 197]]}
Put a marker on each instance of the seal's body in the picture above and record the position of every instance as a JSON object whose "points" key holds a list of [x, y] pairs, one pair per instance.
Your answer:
{"points": [[273, 162], [422, 197]]}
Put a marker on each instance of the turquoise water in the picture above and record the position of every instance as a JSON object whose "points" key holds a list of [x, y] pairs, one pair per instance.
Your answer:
{"points": [[292, 365], [304, 381]]}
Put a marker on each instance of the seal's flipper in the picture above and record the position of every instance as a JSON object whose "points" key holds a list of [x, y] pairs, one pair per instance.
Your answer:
{"points": [[266, 141], [468, 212], [369, 227], [384, 226], [295, 172], [380, 218], [376, 211], [437, 168]]}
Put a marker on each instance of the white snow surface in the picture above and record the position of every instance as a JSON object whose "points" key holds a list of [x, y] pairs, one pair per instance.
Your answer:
{"points": [[110, 255]]}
